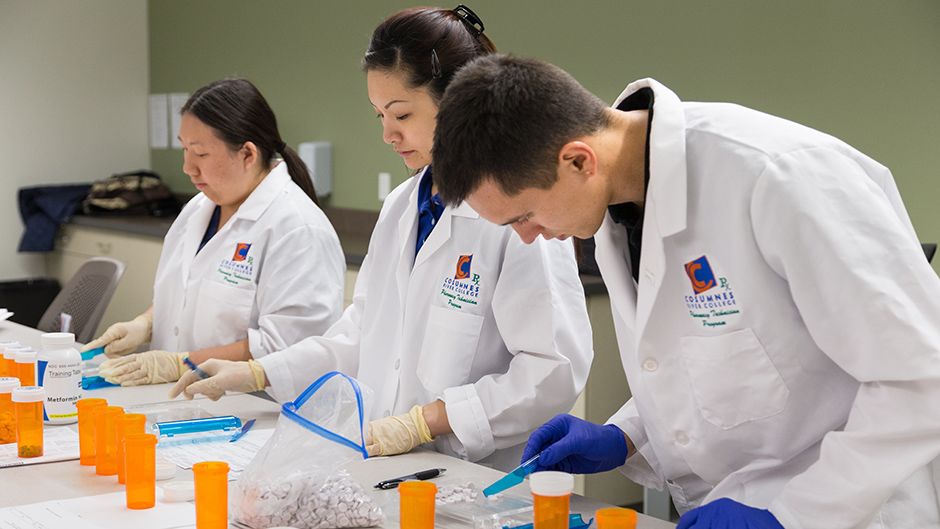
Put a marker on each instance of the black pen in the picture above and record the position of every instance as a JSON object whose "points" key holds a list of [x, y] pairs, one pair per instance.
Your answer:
{"points": [[424, 474]]}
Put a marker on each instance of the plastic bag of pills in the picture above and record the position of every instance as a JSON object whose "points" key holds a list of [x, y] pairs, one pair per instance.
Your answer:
{"points": [[296, 479]]}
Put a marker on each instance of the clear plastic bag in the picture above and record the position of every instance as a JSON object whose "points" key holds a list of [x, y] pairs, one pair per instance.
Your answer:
{"points": [[296, 479]]}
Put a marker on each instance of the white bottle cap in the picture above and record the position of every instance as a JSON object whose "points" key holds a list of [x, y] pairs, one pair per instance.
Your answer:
{"points": [[551, 483], [8, 384], [164, 470], [177, 491], [27, 356], [29, 394], [10, 350], [56, 340]]}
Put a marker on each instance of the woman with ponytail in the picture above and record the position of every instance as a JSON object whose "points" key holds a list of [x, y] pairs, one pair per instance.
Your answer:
{"points": [[435, 328], [250, 266]]}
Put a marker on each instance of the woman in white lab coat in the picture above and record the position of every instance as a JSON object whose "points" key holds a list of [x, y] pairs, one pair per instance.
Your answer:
{"points": [[250, 266], [435, 328]]}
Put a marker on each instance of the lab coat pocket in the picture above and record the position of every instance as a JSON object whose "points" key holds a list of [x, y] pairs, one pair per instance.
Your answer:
{"points": [[450, 343], [224, 313], [732, 378]]}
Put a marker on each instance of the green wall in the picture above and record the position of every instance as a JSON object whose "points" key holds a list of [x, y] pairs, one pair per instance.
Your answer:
{"points": [[863, 70]]}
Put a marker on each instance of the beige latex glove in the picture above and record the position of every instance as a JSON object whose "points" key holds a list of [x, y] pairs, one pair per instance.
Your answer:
{"points": [[398, 434], [224, 375], [151, 367], [124, 337]]}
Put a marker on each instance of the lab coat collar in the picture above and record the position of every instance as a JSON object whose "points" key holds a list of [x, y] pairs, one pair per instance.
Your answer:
{"points": [[263, 196], [442, 231], [666, 196], [251, 209], [193, 231]]}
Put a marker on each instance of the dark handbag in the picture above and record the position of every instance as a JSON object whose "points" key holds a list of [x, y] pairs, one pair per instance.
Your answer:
{"points": [[138, 192]]}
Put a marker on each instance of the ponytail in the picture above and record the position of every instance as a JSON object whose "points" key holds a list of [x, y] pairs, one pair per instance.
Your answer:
{"points": [[299, 173], [238, 113]]}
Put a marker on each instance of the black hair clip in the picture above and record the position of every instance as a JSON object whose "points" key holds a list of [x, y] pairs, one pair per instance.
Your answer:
{"points": [[435, 65], [469, 18]]}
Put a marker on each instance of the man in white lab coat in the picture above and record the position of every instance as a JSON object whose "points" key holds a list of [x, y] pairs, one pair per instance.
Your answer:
{"points": [[776, 318]]}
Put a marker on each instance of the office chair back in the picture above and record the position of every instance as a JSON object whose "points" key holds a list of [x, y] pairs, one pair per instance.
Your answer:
{"points": [[85, 297]]}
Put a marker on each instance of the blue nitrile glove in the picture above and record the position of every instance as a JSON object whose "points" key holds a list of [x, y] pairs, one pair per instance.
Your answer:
{"points": [[725, 513], [575, 446]]}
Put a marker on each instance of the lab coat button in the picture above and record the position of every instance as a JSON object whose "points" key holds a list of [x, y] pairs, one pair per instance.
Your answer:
{"points": [[387, 413], [397, 363], [650, 364], [682, 438], [176, 331]]}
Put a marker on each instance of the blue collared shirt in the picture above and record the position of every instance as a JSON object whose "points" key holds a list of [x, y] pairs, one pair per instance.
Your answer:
{"points": [[212, 228], [430, 209]]}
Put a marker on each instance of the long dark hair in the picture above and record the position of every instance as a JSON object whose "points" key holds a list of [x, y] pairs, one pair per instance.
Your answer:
{"points": [[238, 113], [428, 44]]}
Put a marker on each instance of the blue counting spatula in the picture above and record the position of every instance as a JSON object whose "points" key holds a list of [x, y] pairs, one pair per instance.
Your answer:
{"points": [[512, 479]]}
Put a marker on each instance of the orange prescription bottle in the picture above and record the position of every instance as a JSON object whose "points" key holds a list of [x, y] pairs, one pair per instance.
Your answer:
{"points": [[86, 429], [7, 414], [211, 482], [141, 470], [615, 518], [130, 423], [27, 402], [9, 348], [551, 493], [106, 439], [417, 504], [4, 370], [26, 366]]}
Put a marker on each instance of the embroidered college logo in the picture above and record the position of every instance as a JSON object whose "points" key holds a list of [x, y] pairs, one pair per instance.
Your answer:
{"points": [[463, 267], [241, 251], [701, 275]]}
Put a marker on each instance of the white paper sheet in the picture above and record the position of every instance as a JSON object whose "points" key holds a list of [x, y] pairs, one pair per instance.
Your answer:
{"points": [[60, 443], [106, 511], [159, 122], [176, 104], [237, 454]]}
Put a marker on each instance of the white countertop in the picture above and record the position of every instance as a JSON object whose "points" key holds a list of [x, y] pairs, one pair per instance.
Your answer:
{"points": [[62, 480]]}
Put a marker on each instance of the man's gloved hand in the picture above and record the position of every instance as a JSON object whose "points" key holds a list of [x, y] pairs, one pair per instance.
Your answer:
{"points": [[124, 337], [397, 434], [151, 367], [573, 445], [224, 375], [725, 513]]}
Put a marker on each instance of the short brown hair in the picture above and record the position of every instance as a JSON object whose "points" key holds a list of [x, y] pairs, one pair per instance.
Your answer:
{"points": [[505, 118]]}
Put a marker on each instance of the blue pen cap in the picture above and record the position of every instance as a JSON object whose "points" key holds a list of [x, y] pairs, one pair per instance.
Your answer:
{"points": [[189, 426]]}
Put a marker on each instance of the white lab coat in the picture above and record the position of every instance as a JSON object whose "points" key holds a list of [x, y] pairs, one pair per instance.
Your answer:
{"points": [[806, 379], [506, 348], [287, 286]]}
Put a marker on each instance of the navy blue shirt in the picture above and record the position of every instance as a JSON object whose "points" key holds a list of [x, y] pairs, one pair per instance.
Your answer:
{"points": [[212, 228], [430, 209]]}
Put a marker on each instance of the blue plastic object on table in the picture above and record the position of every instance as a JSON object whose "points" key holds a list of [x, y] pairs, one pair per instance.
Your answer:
{"points": [[96, 382], [575, 521], [91, 353], [514, 478]]}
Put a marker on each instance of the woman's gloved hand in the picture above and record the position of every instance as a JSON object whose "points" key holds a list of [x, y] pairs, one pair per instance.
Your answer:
{"points": [[727, 513], [151, 367], [576, 446], [124, 337], [397, 434], [224, 375]]}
